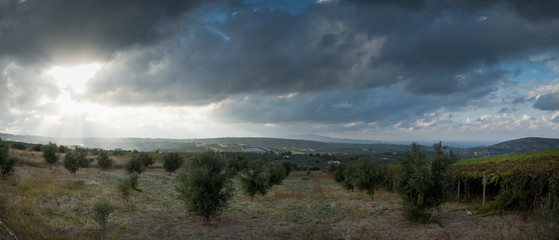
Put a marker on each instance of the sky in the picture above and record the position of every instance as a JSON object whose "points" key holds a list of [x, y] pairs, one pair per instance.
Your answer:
{"points": [[447, 70]]}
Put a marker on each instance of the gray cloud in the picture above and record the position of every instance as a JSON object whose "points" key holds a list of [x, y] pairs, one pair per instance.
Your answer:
{"points": [[66, 31], [548, 102], [370, 61]]}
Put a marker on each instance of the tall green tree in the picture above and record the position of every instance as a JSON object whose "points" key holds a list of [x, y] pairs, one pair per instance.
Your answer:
{"points": [[254, 179], [50, 153], [203, 185], [422, 185]]}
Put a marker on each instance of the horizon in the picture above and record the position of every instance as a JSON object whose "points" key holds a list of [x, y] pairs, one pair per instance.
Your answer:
{"points": [[420, 71]]}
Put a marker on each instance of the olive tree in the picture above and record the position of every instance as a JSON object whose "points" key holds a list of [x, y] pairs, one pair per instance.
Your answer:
{"points": [[6, 162], [50, 154], [204, 186], [369, 176], [75, 159], [423, 185], [254, 179], [172, 162]]}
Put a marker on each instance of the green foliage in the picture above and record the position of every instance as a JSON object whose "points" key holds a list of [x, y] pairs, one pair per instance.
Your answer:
{"points": [[63, 149], [75, 159], [103, 160], [172, 162], [50, 154], [276, 174], [543, 154], [6, 163], [547, 215], [128, 183], [289, 167], [423, 186], [134, 164], [369, 176], [145, 159], [19, 146], [349, 177], [254, 179], [37, 148], [101, 210], [203, 186], [339, 171]]}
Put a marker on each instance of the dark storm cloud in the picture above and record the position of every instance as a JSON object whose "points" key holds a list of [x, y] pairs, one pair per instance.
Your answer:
{"points": [[67, 31], [433, 47], [340, 60], [548, 102]]}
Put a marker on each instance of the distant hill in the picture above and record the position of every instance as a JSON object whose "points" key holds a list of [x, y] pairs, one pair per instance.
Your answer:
{"points": [[513, 146], [219, 144]]}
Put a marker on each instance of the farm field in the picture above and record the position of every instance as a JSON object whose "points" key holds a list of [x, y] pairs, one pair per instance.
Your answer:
{"points": [[38, 203]]}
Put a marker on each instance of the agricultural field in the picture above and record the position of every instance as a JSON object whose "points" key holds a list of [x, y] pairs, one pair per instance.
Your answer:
{"points": [[38, 203]]}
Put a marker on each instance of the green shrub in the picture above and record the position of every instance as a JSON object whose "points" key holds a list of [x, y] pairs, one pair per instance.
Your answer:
{"points": [[50, 154], [547, 216], [134, 164], [101, 210], [6, 163], [276, 174], [204, 186], [145, 159], [75, 159], [172, 162], [254, 179], [103, 160], [368, 176], [128, 183], [19, 146]]}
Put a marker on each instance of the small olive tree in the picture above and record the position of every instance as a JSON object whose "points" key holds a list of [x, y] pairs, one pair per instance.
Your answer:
{"points": [[172, 162], [204, 186], [134, 164], [75, 159], [254, 179], [101, 210], [104, 161], [50, 153], [369, 176], [6, 162]]}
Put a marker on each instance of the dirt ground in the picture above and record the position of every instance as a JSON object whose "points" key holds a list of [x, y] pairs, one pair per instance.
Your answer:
{"points": [[304, 207]]}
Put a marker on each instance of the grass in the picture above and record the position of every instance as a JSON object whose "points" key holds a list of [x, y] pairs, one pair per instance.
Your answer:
{"points": [[51, 204]]}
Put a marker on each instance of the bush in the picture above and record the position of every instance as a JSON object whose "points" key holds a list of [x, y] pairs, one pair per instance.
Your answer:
{"points": [[75, 159], [128, 183], [203, 186], [145, 159], [368, 176], [134, 164], [101, 210], [172, 162], [50, 154], [547, 216], [6, 163], [103, 160], [276, 174], [37, 148], [19, 146], [254, 180]]}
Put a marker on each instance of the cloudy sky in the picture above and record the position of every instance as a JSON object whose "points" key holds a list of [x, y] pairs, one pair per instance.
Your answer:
{"points": [[414, 70]]}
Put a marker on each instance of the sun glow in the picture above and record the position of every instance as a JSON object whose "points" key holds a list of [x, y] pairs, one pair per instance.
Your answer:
{"points": [[74, 78]]}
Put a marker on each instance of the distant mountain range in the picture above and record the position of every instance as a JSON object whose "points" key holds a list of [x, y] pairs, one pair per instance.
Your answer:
{"points": [[243, 144]]}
